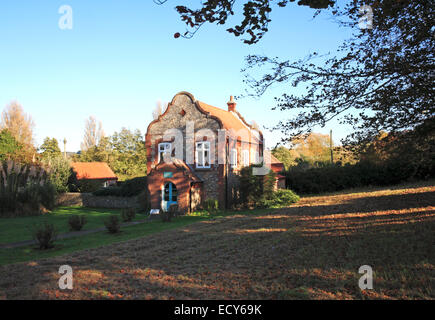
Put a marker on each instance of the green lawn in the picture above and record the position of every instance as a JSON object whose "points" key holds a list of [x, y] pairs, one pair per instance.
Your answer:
{"points": [[20, 229], [98, 239]]}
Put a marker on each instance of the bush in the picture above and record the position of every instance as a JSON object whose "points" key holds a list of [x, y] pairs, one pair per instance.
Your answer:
{"points": [[251, 186], [45, 235], [143, 200], [280, 198], [336, 177], [59, 171], [89, 186], [76, 222], [48, 194], [23, 192], [128, 214], [129, 188], [211, 206], [112, 224], [167, 216]]}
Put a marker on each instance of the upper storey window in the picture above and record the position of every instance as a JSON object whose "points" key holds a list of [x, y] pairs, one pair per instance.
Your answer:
{"points": [[203, 154], [164, 148], [233, 158]]}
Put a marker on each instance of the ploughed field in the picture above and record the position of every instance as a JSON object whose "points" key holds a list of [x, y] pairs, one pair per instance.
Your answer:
{"points": [[312, 250]]}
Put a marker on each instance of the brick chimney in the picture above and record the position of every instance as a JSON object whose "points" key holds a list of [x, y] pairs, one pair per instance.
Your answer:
{"points": [[231, 104]]}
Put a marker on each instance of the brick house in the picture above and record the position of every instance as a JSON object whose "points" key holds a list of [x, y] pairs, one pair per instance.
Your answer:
{"points": [[194, 152]]}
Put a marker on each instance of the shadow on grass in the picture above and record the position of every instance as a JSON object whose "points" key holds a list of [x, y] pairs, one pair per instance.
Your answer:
{"points": [[305, 252]]}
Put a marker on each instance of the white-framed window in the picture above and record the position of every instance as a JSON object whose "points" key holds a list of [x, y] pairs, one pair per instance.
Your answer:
{"points": [[203, 154], [245, 158], [164, 147], [233, 158], [255, 155]]}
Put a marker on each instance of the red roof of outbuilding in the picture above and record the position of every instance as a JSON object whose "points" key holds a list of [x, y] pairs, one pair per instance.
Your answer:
{"points": [[93, 170]]}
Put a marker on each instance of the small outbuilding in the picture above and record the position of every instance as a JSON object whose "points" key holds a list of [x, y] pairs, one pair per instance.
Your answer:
{"points": [[95, 171]]}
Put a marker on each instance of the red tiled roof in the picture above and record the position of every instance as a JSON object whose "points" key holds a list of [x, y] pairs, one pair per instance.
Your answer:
{"points": [[93, 170], [231, 120]]}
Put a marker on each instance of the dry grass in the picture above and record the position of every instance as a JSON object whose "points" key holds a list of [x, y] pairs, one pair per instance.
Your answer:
{"points": [[310, 251]]}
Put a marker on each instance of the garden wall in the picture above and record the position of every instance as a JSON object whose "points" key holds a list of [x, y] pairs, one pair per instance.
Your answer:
{"points": [[91, 201]]}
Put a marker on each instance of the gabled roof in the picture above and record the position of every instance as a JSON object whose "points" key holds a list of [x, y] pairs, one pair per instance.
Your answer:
{"points": [[93, 170], [231, 120]]}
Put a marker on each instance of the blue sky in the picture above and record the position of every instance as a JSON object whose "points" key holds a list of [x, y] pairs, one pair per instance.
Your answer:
{"points": [[120, 58]]}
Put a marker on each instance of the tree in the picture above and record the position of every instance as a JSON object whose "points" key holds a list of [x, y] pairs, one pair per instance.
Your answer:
{"points": [[255, 15], [159, 109], [124, 152], [128, 156], [59, 171], [380, 79], [314, 147], [8, 145], [18, 123], [50, 148], [93, 134], [97, 153]]}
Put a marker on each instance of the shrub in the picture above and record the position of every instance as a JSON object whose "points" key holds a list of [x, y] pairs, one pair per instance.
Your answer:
{"points": [[45, 234], [114, 191], [112, 224], [59, 171], [128, 214], [89, 186], [48, 194], [76, 222], [23, 193], [211, 206], [336, 177], [251, 186], [167, 216], [280, 198], [144, 202], [129, 188]]}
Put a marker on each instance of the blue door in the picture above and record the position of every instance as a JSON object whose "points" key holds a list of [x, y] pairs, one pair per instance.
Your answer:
{"points": [[169, 195]]}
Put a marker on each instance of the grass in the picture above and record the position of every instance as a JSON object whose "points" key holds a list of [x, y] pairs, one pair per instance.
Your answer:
{"points": [[20, 229], [98, 239], [93, 240], [312, 250]]}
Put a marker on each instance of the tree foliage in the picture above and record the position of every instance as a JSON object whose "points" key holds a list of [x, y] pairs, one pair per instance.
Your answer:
{"points": [[59, 171], [381, 79], [256, 15], [18, 123], [50, 148], [94, 134], [128, 158], [8, 145], [124, 152], [312, 148]]}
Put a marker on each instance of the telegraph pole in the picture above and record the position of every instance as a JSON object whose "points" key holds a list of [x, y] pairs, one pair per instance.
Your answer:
{"points": [[64, 147], [330, 146]]}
